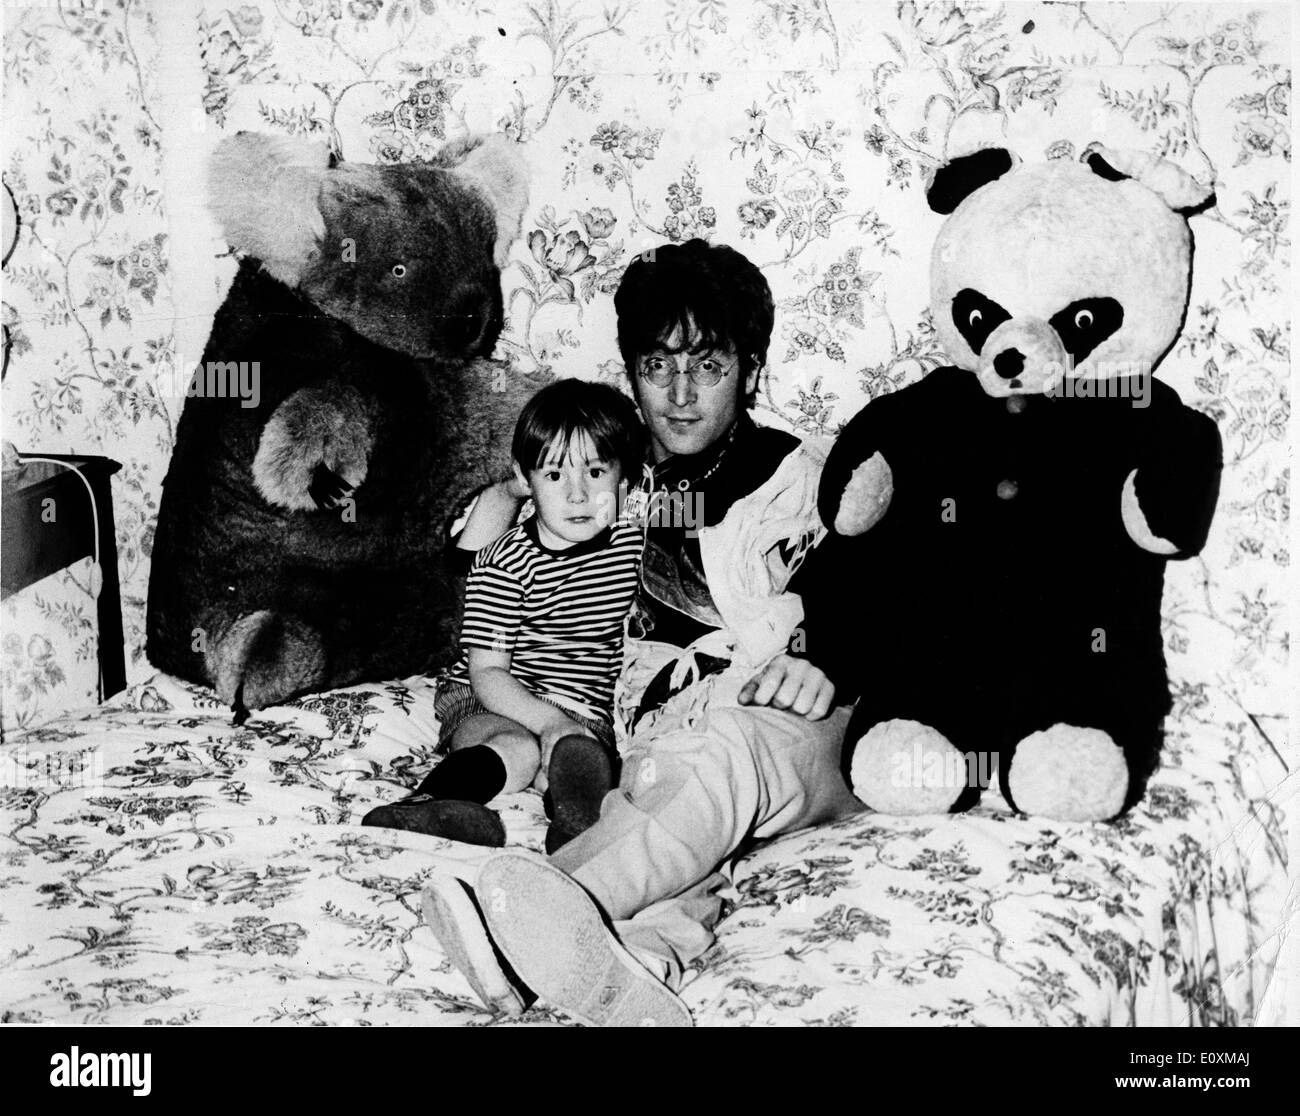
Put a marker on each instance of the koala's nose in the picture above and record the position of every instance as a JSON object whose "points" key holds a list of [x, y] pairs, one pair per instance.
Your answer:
{"points": [[1009, 364], [465, 324]]}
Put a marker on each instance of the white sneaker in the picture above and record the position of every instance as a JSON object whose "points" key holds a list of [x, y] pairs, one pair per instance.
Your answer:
{"points": [[553, 934], [453, 915]]}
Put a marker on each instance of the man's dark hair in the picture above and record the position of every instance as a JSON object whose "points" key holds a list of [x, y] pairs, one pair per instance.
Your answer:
{"points": [[568, 407], [712, 285]]}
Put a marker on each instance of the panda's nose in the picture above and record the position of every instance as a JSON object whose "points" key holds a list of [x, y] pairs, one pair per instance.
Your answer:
{"points": [[1009, 364]]}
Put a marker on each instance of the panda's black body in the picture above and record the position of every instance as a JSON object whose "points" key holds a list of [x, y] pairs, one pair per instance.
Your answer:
{"points": [[1011, 515], [1007, 595]]}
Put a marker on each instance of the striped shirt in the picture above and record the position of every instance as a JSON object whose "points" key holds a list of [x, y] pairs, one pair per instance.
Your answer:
{"points": [[558, 613]]}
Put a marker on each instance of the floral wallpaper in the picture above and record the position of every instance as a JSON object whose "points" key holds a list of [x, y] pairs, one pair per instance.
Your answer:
{"points": [[800, 131]]}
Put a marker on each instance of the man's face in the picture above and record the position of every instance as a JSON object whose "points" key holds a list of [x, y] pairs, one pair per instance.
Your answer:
{"points": [[684, 417]]}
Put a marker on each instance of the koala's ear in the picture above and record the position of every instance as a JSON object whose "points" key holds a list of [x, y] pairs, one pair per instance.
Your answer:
{"points": [[958, 178], [1173, 185], [264, 191], [495, 166]]}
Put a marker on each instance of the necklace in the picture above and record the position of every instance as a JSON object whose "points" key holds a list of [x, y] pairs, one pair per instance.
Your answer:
{"points": [[686, 482]]}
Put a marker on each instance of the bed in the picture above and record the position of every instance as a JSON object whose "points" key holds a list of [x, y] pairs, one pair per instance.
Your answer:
{"points": [[162, 865]]}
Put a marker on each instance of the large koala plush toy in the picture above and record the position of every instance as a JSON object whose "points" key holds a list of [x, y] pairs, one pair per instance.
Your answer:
{"points": [[301, 535], [1002, 526]]}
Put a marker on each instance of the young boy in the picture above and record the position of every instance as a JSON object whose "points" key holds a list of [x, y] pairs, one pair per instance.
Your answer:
{"points": [[530, 701]]}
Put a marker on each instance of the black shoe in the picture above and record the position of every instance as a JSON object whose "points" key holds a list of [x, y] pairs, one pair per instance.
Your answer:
{"points": [[580, 774], [468, 822]]}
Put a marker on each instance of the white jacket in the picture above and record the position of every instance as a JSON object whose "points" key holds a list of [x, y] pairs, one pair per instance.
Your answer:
{"points": [[749, 559], [751, 555]]}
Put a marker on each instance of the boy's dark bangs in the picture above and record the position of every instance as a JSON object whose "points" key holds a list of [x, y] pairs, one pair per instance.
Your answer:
{"points": [[542, 444], [602, 429]]}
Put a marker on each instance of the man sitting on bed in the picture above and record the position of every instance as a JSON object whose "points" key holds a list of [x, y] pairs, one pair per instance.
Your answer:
{"points": [[737, 735]]}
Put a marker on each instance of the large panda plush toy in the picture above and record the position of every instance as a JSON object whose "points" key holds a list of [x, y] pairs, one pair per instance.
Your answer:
{"points": [[1003, 525]]}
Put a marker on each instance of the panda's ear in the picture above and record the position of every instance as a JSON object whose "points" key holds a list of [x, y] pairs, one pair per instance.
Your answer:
{"points": [[1173, 185], [957, 179], [264, 191]]}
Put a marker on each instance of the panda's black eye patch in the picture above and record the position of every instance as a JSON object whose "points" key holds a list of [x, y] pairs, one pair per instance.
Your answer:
{"points": [[1085, 324], [976, 317]]}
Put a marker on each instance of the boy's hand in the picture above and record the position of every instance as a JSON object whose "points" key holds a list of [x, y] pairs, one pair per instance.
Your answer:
{"points": [[555, 730], [792, 684]]}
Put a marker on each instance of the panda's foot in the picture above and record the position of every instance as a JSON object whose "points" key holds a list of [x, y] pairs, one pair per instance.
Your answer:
{"points": [[1069, 774], [263, 658], [905, 767]]}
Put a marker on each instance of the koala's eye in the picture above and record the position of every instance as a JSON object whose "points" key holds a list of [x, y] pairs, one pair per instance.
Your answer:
{"points": [[1083, 319], [399, 270]]}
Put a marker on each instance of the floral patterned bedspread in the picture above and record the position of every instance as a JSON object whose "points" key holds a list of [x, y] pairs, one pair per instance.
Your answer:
{"points": [[160, 865]]}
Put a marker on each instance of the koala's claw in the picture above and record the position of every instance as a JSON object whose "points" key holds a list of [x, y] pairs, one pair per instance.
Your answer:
{"points": [[327, 488], [241, 711]]}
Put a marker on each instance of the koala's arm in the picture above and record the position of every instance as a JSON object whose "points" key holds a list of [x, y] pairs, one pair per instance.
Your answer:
{"points": [[487, 396], [315, 448], [857, 483], [498, 399], [1168, 500], [490, 397]]}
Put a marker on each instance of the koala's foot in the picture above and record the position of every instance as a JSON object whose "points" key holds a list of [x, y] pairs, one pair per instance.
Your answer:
{"points": [[1069, 774], [329, 427], [264, 658], [905, 767]]}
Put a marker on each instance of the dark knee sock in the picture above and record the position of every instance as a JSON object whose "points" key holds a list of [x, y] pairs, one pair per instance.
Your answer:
{"points": [[472, 775]]}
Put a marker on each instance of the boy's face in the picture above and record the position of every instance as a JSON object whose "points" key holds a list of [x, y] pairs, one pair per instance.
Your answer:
{"points": [[575, 491], [684, 417]]}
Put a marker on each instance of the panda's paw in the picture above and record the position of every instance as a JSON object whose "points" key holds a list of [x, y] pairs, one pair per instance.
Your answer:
{"points": [[866, 497], [905, 767], [263, 658], [1135, 521], [1069, 774]]}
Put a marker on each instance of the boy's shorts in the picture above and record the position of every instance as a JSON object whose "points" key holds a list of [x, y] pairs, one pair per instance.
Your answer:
{"points": [[455, 703]]}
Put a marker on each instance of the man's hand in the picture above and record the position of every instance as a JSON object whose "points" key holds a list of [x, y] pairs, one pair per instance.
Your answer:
{"points": [[494, 513], [793, 684]]}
